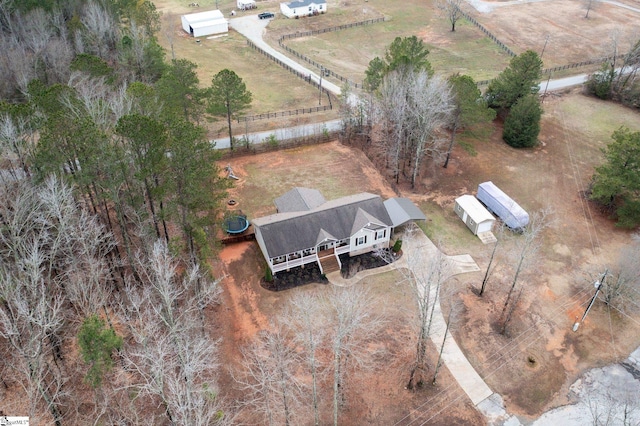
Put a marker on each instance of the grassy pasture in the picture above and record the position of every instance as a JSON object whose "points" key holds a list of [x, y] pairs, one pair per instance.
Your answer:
{"points": [[346, 52], [349, 51]]}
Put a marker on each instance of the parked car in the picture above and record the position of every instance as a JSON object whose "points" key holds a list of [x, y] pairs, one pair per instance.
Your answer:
{"points": [[266, 15]]}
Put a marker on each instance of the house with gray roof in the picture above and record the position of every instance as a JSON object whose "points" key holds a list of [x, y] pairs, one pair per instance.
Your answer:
{"points": [[296, 9], [309, 229]]}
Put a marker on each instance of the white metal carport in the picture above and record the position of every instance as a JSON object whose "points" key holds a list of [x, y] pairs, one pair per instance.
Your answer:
{"points": [[205, 23]]}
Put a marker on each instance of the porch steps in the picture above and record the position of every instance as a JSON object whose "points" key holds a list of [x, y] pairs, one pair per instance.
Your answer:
{"points": [[487, 237], [329, 264]]}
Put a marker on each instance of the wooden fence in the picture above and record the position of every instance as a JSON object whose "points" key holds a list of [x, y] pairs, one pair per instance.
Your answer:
{"points": [[331, 29], [299, 111], [241, 150], [487, 32], [327, 72]]}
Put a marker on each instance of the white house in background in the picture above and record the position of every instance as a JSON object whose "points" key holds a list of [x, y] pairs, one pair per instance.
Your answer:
{"points": [[205, 23], [474, 215], [309, 229], [246, 4], [296, 9]]}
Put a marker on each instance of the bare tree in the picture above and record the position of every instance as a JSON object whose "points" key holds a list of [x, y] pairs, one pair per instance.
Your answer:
{"points": [[613, 408], [305, 319], [173, 358], [490, 266], [32, 259], [425, 273], [589, 5], [527, 245], [451, 10], [621, 288], [453, 311], [268, 380], [17, 142], [353, 323], [100, 31], [392, 110], [414, 106]]}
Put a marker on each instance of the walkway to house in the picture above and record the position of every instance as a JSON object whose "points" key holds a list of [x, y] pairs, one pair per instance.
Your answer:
{"points": [[421, 248]]}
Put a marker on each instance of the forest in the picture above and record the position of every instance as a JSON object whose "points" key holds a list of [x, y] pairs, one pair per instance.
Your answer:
{"points": [[110, 197]]}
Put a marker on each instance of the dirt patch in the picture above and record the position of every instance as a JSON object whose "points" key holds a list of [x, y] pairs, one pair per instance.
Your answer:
{"points": [[571, 37], [539, 357], [557, 287]]}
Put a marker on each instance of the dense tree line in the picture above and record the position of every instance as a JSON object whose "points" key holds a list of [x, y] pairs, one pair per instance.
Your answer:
{"points": [[57, 282], [109, 203]]}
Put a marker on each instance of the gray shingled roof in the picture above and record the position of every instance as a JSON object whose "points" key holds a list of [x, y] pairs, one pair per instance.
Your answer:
{"points": [[299, 199], [293, 231], [402, 210], [303, 3]]}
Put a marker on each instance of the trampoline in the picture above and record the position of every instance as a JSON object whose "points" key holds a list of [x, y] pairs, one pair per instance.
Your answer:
{"points": [[236, 224]]}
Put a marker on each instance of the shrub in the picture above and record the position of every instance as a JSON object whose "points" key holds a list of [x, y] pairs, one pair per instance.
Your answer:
{"points": [[268, 275], [397, 246]]}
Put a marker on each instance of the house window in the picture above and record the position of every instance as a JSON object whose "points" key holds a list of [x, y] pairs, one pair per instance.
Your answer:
{"points": [[309, 8], [320, 7], [381, 234], [361, 240], [458, 208]]}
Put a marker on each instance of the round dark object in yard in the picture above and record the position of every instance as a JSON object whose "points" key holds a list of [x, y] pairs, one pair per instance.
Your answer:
{"points": [[232, 202], [236, 224]]}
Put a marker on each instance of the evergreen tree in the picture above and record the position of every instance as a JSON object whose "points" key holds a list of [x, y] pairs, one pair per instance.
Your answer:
{"points": [[522, 125], [179, 88], [469, 107], [228, 97], [405, 54], [616, 183], [519, 79], [97, 343], [196, 186]]}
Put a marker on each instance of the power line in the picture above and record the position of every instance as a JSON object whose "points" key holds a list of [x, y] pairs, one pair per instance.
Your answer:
{"points": [[506, 353]]}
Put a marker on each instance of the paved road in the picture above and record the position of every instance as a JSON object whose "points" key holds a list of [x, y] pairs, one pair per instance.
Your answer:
{"points": [[252, 28], [604, 392], [284, 133]]}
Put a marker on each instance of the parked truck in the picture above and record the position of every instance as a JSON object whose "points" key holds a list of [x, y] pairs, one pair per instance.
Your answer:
{"points": [[500, 204]]}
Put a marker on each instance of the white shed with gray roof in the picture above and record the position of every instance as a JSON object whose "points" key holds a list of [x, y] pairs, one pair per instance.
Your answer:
{"points": [[473, 214]]}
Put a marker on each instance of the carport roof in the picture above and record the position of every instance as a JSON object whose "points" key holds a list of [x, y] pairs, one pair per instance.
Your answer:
{"points": [[402, 210]]}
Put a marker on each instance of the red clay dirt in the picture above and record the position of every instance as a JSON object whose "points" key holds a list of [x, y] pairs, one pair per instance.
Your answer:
{"points": [[534, 363]]}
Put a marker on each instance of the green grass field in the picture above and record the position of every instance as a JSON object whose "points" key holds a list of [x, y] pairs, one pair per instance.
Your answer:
{"points": [[348, 52]]}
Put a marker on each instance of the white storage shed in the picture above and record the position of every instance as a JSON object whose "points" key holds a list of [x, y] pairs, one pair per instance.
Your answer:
{"points": [[296, 9], [205, 23], [473, 214]]}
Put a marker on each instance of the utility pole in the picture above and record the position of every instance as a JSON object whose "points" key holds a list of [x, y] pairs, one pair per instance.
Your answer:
{"points": [[544, 47], [598, 285], [544, 95]]}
